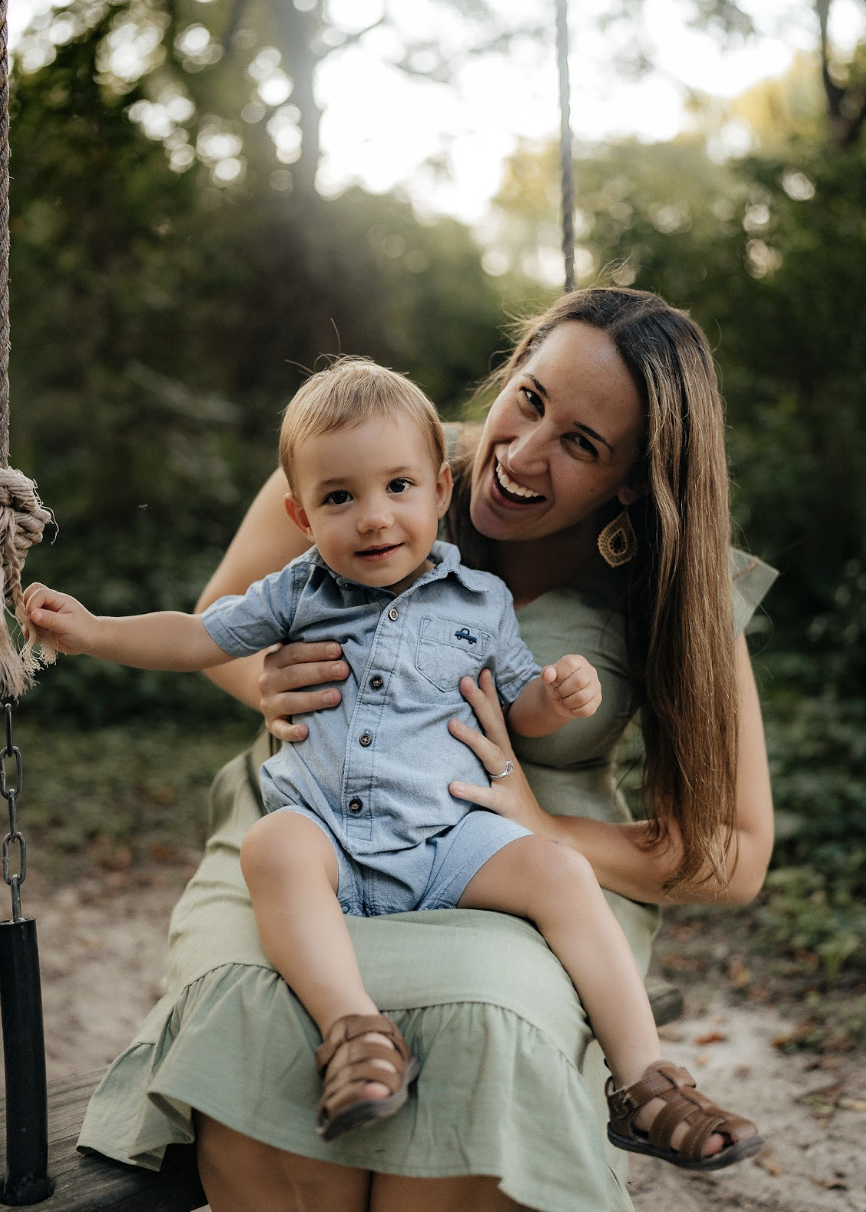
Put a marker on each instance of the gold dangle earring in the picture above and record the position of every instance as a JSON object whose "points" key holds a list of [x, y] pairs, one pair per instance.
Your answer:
{"points": [[617, 542]]}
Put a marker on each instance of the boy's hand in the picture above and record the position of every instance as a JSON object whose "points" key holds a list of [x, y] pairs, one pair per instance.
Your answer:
{"points": [[63, 619], [572, 687]]}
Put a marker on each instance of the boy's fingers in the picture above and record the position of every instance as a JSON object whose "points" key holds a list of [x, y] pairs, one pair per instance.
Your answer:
{"points": [[45, 620]]}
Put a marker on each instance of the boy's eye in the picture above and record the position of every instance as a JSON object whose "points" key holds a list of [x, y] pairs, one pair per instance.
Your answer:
{"points": [[398, 485], [339, 497]]}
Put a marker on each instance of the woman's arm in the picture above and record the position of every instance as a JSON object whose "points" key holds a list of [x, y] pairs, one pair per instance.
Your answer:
{"points": [[622, 856], [265, 542]]}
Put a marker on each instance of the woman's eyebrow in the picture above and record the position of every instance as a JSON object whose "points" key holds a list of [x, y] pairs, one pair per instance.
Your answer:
{"points": [[542, 391]]}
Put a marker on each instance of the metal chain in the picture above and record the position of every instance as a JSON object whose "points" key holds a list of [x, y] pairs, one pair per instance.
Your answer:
{"points": [[565, 145], [4, 238], [10, 794]]}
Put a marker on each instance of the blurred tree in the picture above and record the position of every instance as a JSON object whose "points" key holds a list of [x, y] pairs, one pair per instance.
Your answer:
{"points": [[233, 84], [842, 76], [160, 323]]}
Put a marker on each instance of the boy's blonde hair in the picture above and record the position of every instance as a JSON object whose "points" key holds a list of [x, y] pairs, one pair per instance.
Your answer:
{"points": [[346, 394]]}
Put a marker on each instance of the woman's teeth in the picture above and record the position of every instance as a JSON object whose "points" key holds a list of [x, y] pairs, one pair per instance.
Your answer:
{"points": [[513, 489]]}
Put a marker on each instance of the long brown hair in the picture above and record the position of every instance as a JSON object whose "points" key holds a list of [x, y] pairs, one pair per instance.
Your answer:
{"points": [[677, 589]]}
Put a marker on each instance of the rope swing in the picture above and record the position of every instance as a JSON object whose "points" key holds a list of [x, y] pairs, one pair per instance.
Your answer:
{"points": [[23, 517], [566, 151]]}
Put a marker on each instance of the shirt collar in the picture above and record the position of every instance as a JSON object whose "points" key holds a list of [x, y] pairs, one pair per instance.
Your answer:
{"points": [[445, 557]]}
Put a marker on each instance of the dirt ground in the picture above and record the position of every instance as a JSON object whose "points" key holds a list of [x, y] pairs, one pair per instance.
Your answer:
{"points": [[102, 951]]}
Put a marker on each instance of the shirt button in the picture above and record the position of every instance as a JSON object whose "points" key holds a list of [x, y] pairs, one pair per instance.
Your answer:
{"points": [[376, 683], [393, 614], [365, 739], [355, 805]]}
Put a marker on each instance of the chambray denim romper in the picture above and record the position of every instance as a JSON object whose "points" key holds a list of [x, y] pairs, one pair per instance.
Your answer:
{"points": [[373, 772]]}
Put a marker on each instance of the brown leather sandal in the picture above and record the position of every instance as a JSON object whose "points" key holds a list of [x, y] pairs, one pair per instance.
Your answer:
{"points": [[676, 1087], [346, 1063]]}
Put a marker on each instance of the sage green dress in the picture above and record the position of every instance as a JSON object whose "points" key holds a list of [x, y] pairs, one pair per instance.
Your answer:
{"points": [[511, 1079]]}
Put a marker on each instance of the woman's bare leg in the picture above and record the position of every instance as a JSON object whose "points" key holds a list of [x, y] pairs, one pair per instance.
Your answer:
{"points": [[240, 1174], [243, 1175], [475, 1193]]}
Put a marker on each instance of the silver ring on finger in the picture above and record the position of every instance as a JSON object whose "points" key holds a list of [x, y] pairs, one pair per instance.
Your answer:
{"points": [[509, 767]]}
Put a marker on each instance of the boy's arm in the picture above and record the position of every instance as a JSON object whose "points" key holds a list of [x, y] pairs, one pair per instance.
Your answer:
{"points": [[568, 690], [164, 640]]}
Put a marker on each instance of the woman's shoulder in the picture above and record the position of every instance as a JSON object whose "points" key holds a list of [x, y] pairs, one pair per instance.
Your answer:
{"points": [[751, 579]]}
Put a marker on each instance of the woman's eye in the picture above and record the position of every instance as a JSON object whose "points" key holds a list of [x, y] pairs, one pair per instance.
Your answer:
{"points": [[533, 400], [338, 497], [398, 485], [583, 444]]}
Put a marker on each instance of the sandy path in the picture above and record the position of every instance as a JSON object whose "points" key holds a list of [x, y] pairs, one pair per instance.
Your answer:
{"points": [[102, 947]]}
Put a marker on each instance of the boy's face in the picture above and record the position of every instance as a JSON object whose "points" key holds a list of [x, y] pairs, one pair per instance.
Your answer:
{"points": [[371, 498]]}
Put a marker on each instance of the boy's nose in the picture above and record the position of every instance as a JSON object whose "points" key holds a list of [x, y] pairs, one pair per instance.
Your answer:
{"points": [[375, 517]]}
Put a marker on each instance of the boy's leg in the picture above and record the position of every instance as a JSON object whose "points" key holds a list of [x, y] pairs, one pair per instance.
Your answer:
{"points": [[555, 887], [291, 871]]}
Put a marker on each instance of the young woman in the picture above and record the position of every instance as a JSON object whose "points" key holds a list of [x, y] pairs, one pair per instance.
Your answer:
{"points": [[597, 489]]}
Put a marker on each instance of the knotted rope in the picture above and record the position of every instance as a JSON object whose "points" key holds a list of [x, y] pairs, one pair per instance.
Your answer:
{"points": [[22, 515]]}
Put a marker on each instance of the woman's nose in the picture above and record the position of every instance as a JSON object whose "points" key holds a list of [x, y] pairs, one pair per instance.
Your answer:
{"points": [[528, 451]]}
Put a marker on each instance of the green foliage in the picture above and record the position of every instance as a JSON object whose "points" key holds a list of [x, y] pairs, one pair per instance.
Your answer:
{"points": [[159, 327], [123, 794]]}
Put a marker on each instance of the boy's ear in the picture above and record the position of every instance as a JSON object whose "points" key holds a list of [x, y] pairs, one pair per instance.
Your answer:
{"points": [[296, 512], [444, 488]]}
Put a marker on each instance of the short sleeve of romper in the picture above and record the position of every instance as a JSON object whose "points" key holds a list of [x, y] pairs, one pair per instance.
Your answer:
{"points": [[246, 623]]}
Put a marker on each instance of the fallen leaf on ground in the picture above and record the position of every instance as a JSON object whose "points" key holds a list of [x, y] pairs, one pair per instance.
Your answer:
{"points": [[770, 1163], [711, 1037], [738, 973], [821, 1094]]}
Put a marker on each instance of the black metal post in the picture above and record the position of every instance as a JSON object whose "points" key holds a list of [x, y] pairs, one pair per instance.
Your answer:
{"points": [[27, 1180]]}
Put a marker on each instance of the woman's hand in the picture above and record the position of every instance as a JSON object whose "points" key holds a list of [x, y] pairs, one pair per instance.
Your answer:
{"points": [[289, 683], [510, 796]]}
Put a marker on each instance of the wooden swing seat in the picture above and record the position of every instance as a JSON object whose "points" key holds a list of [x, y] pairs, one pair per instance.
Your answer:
{"points": [[88, 1183]]}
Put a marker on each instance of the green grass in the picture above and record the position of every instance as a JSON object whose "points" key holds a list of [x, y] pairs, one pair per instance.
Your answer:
{"points": [[118, 797]]}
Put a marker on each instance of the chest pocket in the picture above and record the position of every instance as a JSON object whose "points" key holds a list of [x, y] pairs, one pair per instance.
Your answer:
{"points": [[449, 650]]}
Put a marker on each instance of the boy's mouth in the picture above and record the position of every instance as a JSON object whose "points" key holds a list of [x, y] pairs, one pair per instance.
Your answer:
{"points": [[511, 490], [378, 553]]}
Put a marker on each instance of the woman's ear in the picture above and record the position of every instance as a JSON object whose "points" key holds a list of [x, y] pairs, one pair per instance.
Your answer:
{"points": [[297, 514], [444, 488], [629, 494]]}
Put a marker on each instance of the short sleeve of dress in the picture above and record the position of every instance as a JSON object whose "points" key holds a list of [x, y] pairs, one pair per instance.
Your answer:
{"points": [[751, 579]]}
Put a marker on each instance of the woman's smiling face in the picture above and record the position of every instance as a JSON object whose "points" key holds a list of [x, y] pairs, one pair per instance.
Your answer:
{"points": [[560, 441]]}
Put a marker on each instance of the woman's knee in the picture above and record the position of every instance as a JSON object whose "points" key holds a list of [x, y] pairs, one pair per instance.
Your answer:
{"points": [[239, 1172], [469, 1193]]}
